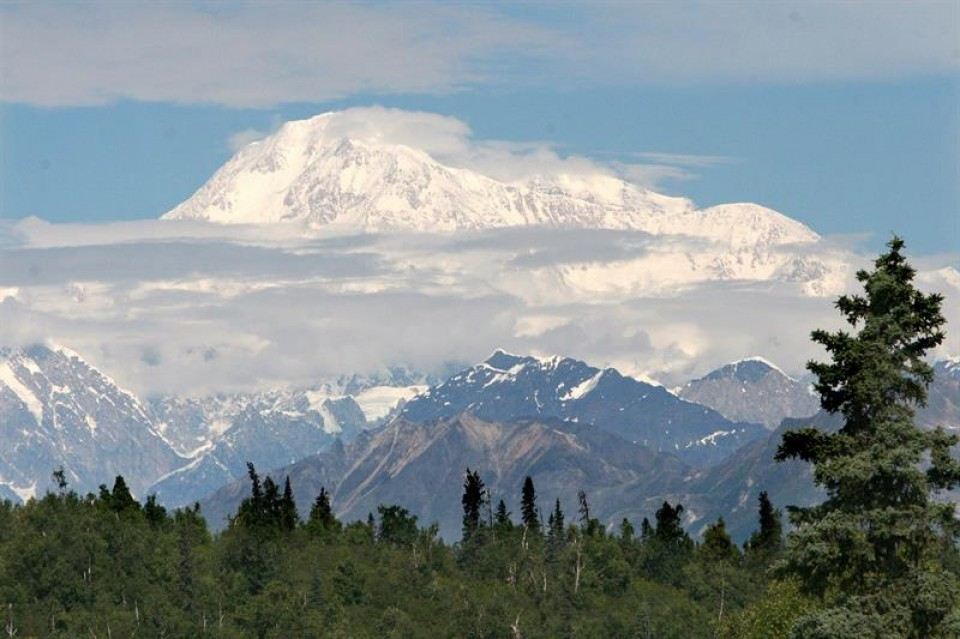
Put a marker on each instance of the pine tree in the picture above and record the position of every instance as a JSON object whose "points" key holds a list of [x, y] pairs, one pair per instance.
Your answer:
{"points": [[289, 517], [529, 513], [501, 521], [555, 529], [120, 499], [474, 497], [321, 513], [271, 503], [870, 551], [769, 539]]}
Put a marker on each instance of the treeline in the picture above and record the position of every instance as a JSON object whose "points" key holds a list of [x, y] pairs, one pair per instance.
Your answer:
{"points": [[103, 565]]}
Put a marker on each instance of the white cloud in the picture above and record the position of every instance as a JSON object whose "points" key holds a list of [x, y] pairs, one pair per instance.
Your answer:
{"points": [[257, 54], [241, 139], [451, 141], [246, 54], [196, 308]]}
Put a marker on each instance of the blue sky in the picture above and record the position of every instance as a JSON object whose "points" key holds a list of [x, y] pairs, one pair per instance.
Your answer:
{"points": [[844, 116]]}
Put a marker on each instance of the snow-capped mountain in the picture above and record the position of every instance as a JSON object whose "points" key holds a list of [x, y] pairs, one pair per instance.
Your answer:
{"points": [[752, 390], [314, 173], [193, 424], [508, 387], [267, 435], [943, 397], [56, 410]]}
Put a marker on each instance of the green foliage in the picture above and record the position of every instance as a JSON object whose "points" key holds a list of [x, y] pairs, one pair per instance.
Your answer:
{"points": [[321, 519], [768, 540], [871, 551], [78, 566], [772, 616], [397, 526]]}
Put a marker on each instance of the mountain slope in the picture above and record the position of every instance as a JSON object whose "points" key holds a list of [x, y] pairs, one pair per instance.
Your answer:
{"points": [[268, 437], [752, 390], [420, 466], [57, 410], [507, 387]]}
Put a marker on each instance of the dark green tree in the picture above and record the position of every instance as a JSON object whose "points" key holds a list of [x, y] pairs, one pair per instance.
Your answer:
{"points": [[555, 525], [871, 550], [270, 509], [473, 500], [397, 526], [289, 517], [155, 513], [769, 538], [321, 514], [120, 498], [529, 513], [501, 520], [669, 530], [252, 512], [668, 547]]}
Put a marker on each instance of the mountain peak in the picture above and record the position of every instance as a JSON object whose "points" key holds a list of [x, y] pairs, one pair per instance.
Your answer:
{"points": [[503, 361], [749, 370], [358, 170]]}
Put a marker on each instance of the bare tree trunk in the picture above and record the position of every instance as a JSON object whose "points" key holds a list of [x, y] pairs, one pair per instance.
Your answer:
{"points": [[515, 629], [723, 591], [11, 628], [578, 569]]}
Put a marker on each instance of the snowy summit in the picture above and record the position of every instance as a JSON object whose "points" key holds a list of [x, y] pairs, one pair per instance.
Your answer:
{"points": [[324, 172]]}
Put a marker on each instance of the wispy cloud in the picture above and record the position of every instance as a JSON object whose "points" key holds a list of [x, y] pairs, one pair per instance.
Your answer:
{"points": [[248, 54], [254, 54]]}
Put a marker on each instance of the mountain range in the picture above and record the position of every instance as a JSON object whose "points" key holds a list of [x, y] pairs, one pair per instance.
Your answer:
{"points": [[507, 387], [57, 409]]}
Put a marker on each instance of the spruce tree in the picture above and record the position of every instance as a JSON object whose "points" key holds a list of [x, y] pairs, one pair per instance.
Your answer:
{"points": [[289, 517], [769, 539], [474, 497], [321, 513], [502, 520], [555, 527], [870, 551], [529, 513]]}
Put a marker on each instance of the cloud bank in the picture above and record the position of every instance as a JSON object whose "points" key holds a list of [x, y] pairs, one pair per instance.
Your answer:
{"points": [[192, 308], [258, 55]]}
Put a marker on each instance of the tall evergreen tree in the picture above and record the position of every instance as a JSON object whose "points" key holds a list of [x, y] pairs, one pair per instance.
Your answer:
{"points": [[474, 497], [289, 517], [555, 523], [529, 513], [321, 513], [870, 551], [769, 538], [501, 521]]}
